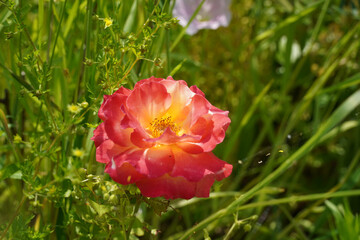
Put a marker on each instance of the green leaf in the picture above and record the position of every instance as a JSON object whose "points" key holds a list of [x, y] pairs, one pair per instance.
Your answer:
{"points": [[99, 208], [131, 19], [177, 68], [182, 33], [349, 82], [347, 225], [8, 171]]}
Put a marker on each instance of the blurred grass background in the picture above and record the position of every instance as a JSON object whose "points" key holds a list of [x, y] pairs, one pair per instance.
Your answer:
{"points": [[288, 72]]}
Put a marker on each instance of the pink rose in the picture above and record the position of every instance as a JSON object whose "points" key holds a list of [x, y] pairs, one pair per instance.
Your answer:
{"points": [[213, 14], [160, 136]]}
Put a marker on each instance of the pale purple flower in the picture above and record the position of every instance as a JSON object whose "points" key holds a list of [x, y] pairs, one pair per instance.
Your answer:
{"points": [[212, 15]]}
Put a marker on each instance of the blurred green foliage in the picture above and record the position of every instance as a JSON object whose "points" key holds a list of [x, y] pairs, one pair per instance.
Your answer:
{"points": [[288, 72]]}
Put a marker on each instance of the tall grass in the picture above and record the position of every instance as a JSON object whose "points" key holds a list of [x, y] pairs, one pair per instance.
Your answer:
{"points": [[288, 72]]}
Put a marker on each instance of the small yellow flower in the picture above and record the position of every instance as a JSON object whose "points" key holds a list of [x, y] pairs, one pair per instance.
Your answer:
{"points": [[108, 22], [73, 108], [78, 152], [17, 139]]}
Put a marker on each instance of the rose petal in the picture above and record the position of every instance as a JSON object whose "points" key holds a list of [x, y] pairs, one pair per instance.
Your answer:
{"points": [[116, 133], [152, 162], [194, 167], [123, 91], [181, 96], [149, 101], [151, 79], [99, 135], [196, 90], [175, 187], [199, 106], [159, 161], [169, 137], [111, 107], [193, 148], [101, 110], [140, 139], [124, 174], [134, 157], [107, 151], [221, 123], [203, 127]]}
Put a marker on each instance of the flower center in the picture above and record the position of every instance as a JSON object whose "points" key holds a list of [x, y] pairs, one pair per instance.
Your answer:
{"points": [[159, 125]]}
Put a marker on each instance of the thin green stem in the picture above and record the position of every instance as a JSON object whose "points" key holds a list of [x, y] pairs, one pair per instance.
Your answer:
{"points": [[9, 135], [235, 225], [57, 34], [304, 198], [181, 34], [49, 30], [128, 71], [136, 209]]}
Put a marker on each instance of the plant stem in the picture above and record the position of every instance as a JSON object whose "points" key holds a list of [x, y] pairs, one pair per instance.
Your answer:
{"points": [[136, 209], [181, 34]]}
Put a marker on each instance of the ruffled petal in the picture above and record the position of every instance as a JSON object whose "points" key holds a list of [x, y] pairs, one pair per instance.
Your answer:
{"points": [[221, 123], [147, 102], [211, 127], [198, 107], [124, 174], [190, 147], [175, 187], [116, 133], [196, 90], [203, 127], [151, 79], [107, 150], [123, 91], [194, 167], [111, 106], [181, 97], [135, 157], [159, 161], [152, 162], [140, 139], [99, 135], [169, 137]]}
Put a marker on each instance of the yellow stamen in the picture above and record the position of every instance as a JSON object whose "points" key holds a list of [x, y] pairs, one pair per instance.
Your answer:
{"points": [[159, 125]]}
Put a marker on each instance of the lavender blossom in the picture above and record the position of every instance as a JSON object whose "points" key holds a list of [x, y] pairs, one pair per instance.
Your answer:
{"points": [[212, 15]]}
